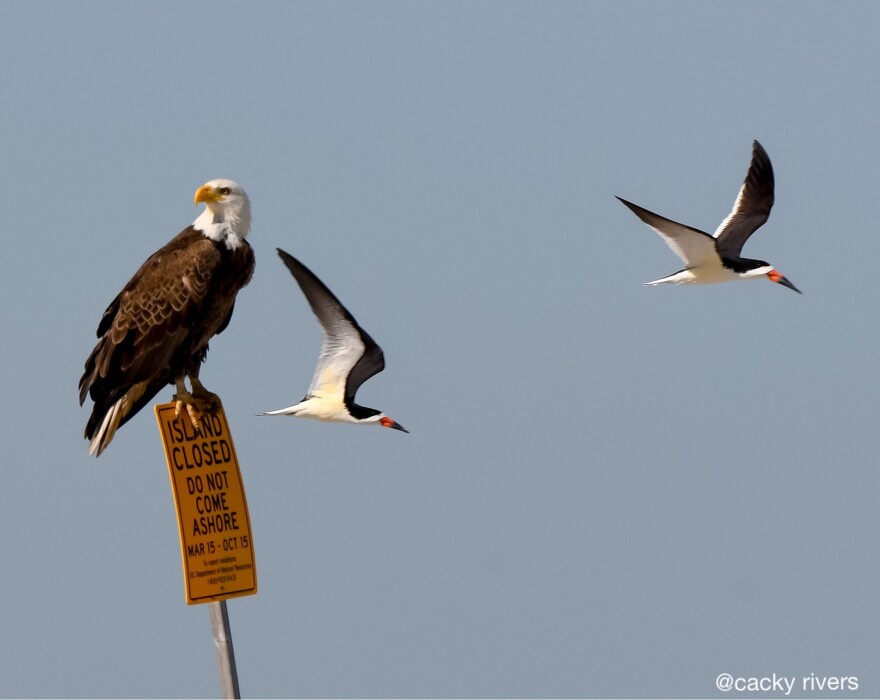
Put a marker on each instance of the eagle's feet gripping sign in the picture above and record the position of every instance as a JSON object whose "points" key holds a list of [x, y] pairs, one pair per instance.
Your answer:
{"points": [[198, 403]]}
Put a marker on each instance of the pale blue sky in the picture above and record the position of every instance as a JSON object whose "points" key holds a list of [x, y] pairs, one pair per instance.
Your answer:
{"points": [[609, 489]]}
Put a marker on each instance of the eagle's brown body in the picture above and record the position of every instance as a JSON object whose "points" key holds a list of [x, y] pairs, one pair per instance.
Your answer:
{"points": [[157, 329]]}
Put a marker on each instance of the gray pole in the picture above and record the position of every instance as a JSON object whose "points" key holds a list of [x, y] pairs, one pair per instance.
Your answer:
{"points": [[225, 652]]}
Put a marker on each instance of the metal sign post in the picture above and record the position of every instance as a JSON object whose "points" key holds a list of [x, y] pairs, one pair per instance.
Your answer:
{"points": [[216, 544], [225, 652]]}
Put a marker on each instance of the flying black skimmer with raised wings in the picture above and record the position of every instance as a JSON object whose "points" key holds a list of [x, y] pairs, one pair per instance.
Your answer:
{"points": [[349, 357], [710, 259]]}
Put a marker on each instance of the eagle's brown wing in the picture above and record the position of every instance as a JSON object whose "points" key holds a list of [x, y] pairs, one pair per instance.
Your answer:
{"points": [[150, 332]]}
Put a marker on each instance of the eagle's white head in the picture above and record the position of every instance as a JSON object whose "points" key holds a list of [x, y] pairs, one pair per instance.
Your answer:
{"points": [[227, 215]]}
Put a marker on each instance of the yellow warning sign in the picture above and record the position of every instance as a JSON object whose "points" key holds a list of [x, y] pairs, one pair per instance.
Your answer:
{"points": [[215, 530]]}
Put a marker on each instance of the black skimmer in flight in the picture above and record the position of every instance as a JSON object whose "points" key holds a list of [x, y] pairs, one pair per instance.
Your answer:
{"points": [[349, 357], [711, 259]]}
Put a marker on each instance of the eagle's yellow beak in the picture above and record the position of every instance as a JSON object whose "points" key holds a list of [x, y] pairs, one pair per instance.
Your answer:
{"points": [[206, 193]]}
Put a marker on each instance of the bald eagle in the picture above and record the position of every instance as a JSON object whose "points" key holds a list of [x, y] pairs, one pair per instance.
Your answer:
{"points": [[156, 331]]}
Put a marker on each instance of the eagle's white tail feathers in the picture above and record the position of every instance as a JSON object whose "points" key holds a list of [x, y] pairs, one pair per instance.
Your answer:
{"points": [[105, 433], [113, 417]]}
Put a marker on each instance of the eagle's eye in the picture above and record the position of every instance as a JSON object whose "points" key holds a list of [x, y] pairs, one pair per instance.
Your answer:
{"points": [[224, 190]]}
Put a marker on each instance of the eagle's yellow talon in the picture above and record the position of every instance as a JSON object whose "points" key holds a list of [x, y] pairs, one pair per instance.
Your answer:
{"points": [[196, 417]]}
